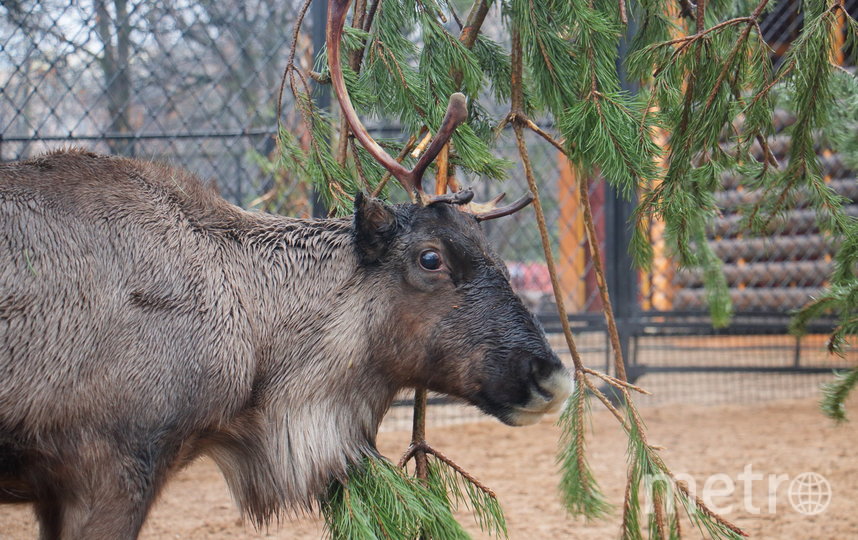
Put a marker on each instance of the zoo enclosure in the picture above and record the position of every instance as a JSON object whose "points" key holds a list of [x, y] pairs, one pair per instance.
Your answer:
{"points": [[195, 83]]}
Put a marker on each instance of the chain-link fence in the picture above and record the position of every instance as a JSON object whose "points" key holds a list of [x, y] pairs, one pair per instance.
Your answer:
{"points": [[191, 83], [195, 83]]}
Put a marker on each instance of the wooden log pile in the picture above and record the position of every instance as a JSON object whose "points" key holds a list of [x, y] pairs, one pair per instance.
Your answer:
{"points": [[781, 269]]}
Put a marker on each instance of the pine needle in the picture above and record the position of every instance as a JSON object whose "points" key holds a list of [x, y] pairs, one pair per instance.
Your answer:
{"points": [[834, 394], [378, 501], [446, 481], [578, 488]]}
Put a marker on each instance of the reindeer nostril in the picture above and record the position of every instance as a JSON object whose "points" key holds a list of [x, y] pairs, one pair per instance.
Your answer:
{"points": [[545, 394], [537, 380], [542, 367]]}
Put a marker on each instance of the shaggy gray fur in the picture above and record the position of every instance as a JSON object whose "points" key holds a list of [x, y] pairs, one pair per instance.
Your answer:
{"points": [[145, 321]]}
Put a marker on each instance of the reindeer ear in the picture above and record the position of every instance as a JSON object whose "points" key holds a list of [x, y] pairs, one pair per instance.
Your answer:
{"points": [[375, 227]]}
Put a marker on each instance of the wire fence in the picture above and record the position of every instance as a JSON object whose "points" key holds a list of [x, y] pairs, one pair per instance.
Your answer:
{"points": [[195, 83]]}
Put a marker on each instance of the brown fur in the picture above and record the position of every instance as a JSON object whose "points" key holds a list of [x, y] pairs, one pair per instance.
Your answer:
{"points": [[145, 321]]}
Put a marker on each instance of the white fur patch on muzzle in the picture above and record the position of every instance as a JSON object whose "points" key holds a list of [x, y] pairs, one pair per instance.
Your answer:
{"points": [[548, 398]]}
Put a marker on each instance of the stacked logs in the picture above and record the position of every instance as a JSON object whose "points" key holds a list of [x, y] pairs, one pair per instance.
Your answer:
{"points": [[784, 267]]}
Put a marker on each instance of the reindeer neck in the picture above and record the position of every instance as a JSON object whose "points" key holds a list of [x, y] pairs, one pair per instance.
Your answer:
{"points": [[295, 265], [320, 393]]}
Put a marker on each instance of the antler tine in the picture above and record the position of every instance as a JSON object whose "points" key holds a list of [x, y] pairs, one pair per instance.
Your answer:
{"points": [[526, 199], [498, 198], [457, 112], [337, 11], [457, 197]]}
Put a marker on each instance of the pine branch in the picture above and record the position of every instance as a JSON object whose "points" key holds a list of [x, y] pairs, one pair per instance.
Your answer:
{"points": [[581, 495], [605, 401], [377, 500], [645, 463], [712, 90], [466, 490], [529, 124], [476, 17], [659, 528], [418, 436], [358, 166], [596, 258], [579, 491], [753, 22], [615, 382], [835, 394], [517, 111], [701, 33], [290, 62], [705, 519], [444, 477], [631, 528]]}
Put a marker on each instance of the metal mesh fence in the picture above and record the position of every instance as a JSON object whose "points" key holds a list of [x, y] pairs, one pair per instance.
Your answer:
{"points": [[195, 83], [192, 83]]}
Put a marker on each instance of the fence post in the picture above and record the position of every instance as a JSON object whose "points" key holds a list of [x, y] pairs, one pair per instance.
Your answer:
{"points": [[622, 277], [322, 92]]}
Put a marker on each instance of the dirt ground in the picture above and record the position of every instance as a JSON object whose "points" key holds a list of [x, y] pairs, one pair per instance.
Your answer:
{"points": [[777, 438]]}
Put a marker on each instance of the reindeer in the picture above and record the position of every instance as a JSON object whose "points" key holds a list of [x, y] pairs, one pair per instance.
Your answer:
{"points": [[145, 321]]}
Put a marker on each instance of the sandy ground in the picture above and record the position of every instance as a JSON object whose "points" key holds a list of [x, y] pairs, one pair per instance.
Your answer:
{"points": [[778, 438]]}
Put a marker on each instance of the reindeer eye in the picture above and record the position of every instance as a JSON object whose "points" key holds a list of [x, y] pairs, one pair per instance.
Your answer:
{"points": [[430, 260]]}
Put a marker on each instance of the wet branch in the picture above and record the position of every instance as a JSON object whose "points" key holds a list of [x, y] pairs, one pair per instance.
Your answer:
{"points": [[635, 423]]}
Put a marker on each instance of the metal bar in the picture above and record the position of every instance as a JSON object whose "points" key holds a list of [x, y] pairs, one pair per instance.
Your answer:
{"points": [[789, 369], [621, 273], [742, 331], [797, 352], [655, 323], [322, 93], [704, 348], [258, 132], [704, 314]]}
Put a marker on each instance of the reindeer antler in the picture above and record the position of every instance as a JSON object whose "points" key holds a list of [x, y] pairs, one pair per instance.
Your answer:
{"points": [[411, 180]]}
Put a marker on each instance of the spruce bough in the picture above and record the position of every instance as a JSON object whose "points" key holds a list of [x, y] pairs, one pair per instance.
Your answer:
{"points": [[707, 82]]}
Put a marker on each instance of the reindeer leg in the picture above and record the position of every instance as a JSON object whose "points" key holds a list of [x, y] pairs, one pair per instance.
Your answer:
{"points": [[100, 493], [64, 518]]}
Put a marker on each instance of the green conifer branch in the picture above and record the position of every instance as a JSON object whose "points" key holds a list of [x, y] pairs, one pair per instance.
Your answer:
{"points": [[840, 298], [379, 501], [810, 79], [648, 472], [452, 483], [578, 488], [466, 490], [834, 394], [566, 51]]}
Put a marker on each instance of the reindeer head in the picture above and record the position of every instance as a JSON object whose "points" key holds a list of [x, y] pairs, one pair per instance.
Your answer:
{"points": [[456, 325]]}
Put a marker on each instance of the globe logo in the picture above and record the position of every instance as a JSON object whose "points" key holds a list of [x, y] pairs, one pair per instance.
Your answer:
{"points": [[809, 493]]}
